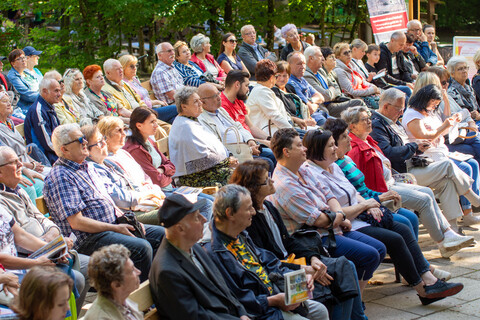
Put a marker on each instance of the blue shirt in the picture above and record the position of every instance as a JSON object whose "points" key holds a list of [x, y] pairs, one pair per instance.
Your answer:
{"points": [[302, 88], [66, 194], [257, 52], [426, 52]]}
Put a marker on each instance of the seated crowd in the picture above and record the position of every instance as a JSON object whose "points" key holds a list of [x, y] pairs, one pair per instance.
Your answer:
{"points": [[324, 160]]}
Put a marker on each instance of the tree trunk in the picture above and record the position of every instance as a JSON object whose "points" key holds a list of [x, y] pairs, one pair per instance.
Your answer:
{"points": [[270, 25], [141, 48], [322, 22]]}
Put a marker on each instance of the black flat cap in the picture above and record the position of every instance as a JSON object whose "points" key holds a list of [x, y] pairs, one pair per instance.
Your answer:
{"points": [[175, 208]]}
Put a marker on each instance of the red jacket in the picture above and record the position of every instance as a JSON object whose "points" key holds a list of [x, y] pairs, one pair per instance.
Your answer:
{"points": [[144, 159], [211, 58], [368, 162]]}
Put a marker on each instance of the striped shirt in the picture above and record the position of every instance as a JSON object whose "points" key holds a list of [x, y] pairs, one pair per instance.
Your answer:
{"points": [[189, 75]]}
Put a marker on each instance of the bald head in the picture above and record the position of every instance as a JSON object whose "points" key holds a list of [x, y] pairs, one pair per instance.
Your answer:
{"points": [[210, 97], [397, 41]]}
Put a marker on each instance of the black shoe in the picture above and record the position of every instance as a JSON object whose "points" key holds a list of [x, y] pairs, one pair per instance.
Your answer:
{"points": [[427, 301], [442, 289]]}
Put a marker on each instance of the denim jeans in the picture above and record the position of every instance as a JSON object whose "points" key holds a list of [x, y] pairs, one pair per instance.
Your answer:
{"points": [[364, 251], [409, 219], [167, 113], [468, 146], [142, 251], [320, 117], [403, 249], [37, 154], [267, 155], [470, 167]]}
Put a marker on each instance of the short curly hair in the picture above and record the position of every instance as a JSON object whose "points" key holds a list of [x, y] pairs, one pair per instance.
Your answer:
{"points": [[338, 47], [281, 139], [90, 70], [265, 69], [106, 266]]}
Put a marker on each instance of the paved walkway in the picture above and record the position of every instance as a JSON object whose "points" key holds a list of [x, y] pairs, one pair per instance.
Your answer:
{"points": [[389, 300]]}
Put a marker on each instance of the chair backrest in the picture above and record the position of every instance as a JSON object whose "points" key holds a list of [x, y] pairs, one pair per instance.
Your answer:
{"points": [[21, 129], [143, 298], [162, 145], [148, 86], [41, 204]]}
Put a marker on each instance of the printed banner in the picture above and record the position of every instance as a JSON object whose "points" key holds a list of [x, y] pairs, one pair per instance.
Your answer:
{"points": [[467, 46], [386, 17]]}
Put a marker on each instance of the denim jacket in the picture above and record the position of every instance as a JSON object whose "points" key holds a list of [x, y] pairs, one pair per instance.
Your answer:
{"points": [[27, 95]]}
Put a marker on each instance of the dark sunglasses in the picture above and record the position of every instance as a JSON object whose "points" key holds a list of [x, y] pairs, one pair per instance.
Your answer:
{"points": [[346, 53], [81, 140], [444, 82], [232, 41]]}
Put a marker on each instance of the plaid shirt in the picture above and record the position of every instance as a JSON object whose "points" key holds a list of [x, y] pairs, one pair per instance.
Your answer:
{"points": [[164, 79], [299, 203], [302, 88], [66, 194]]}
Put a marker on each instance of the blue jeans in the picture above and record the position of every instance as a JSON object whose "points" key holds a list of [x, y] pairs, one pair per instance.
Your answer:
{"points": [[409, 219], [142, 251], [468, 146], [207, 209], [167, 113], [320, 117], [470, 167], [37, 154], [407, 91], [364, 251]]}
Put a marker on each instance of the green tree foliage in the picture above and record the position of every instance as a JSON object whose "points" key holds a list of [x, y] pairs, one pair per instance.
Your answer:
{"points": [[459, 15]]}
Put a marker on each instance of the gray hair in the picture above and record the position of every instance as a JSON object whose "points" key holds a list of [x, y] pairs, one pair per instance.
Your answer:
{"points": [[358, 43], [286, 28], [46, 83], [182, 95], [108, 64], [390, 96], [4, 151], [159, 47], [397, 35], [61, 136], [68, 77], [197, 42], [52, 74], [293, 54], [352, 114], [310, 51], [242, 30], [228, 197], [412, 22], [454, 61]]}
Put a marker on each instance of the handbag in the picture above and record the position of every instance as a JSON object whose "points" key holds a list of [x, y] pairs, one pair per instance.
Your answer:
{"points": [[385, 222], [129, 218], [458, 134], [239, 150]]}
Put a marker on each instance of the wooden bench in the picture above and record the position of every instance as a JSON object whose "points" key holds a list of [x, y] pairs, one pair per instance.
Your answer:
{"points": [[21, 129], [41, 205], [162, 145], [148, 86]]}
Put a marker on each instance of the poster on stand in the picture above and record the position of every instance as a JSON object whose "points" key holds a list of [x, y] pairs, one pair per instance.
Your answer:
{"points": [[467, 47], [386, 17]]}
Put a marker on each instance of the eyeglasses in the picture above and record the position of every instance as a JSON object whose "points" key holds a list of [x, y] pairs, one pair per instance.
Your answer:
{"points": [[365, 120], [81, 140], [100, 143], [346, 53], [250, 33], [466, 68], [20, 59], [61, 81], [232, 40], [268, 181], [293, 35], [169, 51], [16, 161], [444, 82], [216, 95]]}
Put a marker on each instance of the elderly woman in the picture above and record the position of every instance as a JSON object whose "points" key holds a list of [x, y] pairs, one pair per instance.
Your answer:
{"points": [[366, 217], [476, 77], [269, 232], [352, 82], [129, 64], [461, 91], [200, 159], [429, 32], [192, 75], [103, 100], [227, 58], [44, 295], [114, 276], [25, 85], [32, 181], [267, 111], [290, 34], [420, 122], [203, 60], [294, 106], [74, 85]]}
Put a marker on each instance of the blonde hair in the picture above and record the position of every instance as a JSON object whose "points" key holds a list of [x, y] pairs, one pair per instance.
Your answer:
{"points": [[107, 124], [425, 78], [338, 47], [476, 59], [127, 60], [177, 47]]}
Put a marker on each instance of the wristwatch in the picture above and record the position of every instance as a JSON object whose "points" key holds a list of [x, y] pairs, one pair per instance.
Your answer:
{"points": [[343, 214]]}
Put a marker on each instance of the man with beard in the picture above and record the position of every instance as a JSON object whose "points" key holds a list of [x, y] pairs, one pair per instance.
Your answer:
{"points": [[233, 97]]}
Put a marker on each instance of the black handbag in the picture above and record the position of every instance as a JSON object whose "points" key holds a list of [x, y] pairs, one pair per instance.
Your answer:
{"points": [[129, 218], [386, 221]]}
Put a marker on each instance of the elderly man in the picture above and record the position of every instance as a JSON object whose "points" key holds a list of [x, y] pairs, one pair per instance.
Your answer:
{"points": [[250, 52], [298, 85], [184, 281], [41, 118], [316, 76], [414, 27], [79, 203], [217, 120], [391, 61], [248, 269], [17, 203], [165, 79], [441, 176]]}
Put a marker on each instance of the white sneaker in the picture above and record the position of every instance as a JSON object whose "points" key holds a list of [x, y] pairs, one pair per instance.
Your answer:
{"points": [[441, 274], [470, 219], [452, 243]]}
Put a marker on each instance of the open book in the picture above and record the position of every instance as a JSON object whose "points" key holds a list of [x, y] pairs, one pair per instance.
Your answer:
{"points": [[53, 250], [190, 193], [296, 289]]}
